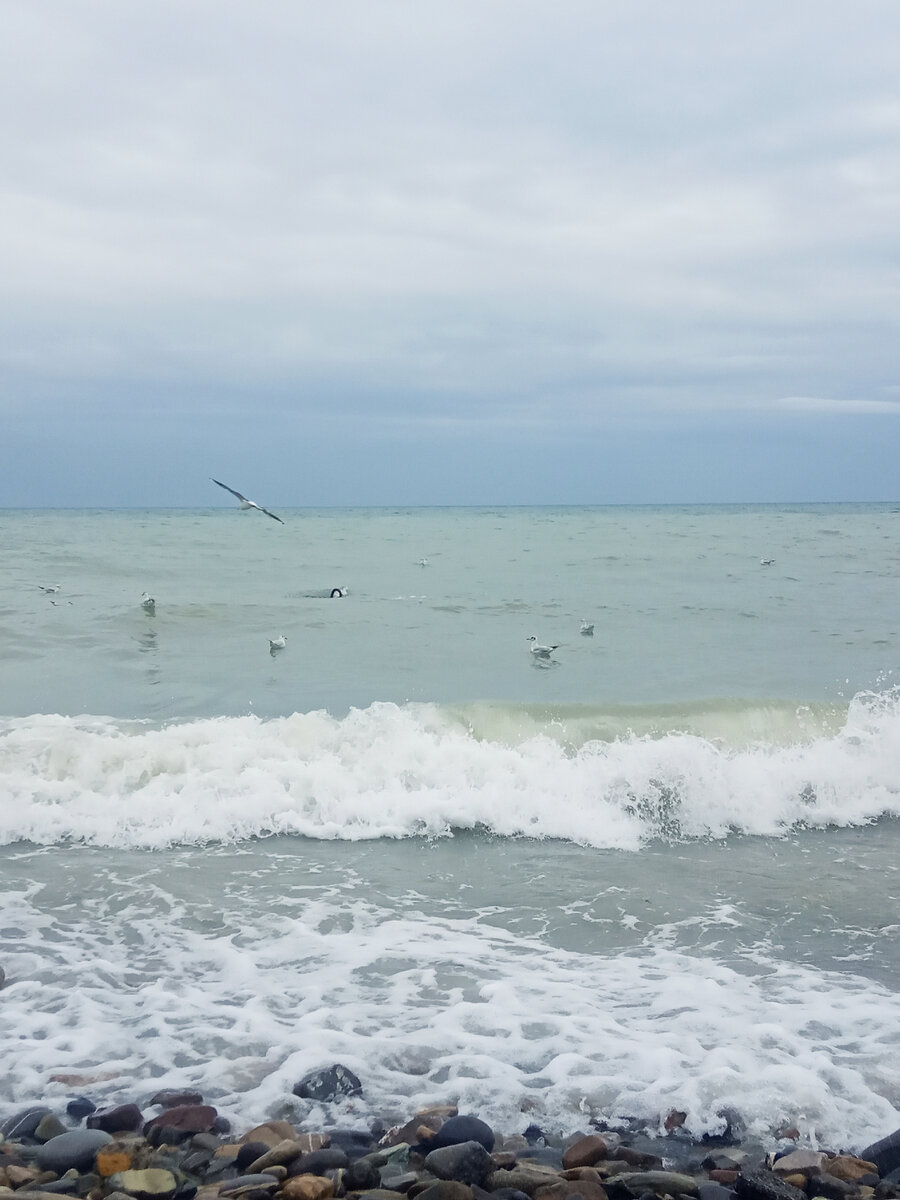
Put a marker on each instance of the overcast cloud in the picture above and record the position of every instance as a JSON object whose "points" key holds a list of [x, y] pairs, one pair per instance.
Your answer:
{"points": [[414, 252]]}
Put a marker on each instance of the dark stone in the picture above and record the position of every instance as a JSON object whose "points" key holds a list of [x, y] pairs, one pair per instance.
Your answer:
{"points": [[176, 1098], [363, 1174], [121, 1118], [186, 1118], [464, 1162], [639, 1158], [80, 1107], [456, 1130], [354, 1142], [397, 1183], [891, 1177], [885, 1154], [75, 1150], [2, 977], [328, 1084], [249, 1153], [509, 1194], [196, 1162], [23, 1124], [317, 1162], [833, 1188], [221, 1125], [757, 1183], [535, 1136]]}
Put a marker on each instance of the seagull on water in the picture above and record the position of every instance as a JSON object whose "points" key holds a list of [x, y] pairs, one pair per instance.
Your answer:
{"points": [[766, 562], [49, 591], [148, 604], [245, 503], [587, 629], [538, 650], [276, 644]]}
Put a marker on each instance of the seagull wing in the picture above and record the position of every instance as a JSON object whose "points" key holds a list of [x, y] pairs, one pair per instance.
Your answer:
{"points": [[233, 492], [268, 514]]}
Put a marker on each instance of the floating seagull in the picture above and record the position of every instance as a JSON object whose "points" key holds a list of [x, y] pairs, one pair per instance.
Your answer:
{"points": [[148, 603], [336, 592], [538, 650], [422, 562], [49, 591], [276, 644], [587, 629], [766, 562], [245, 503]]}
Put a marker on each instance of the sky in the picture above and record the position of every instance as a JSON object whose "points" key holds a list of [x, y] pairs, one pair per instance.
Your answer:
{"points": [[432, 252]]}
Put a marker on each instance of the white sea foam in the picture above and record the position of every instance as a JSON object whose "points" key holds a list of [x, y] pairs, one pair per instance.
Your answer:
{"points": [[613, 779], [427, 1010]]}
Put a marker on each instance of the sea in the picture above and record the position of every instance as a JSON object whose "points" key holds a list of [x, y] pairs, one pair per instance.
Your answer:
{"points": [[651, 878]]}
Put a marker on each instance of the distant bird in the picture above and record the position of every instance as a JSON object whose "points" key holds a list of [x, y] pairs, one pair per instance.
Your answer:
{"points": [[148, 604], [422, 562], [276, 644], [49, 591], [245, 503], [587, 629], [766, 562], [538, 650], [337, 592]]}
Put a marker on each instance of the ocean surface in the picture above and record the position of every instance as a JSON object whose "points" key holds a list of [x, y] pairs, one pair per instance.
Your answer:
{"points": [[655, 871]]}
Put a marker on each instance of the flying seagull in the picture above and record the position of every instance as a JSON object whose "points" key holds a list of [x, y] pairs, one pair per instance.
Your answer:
{"points": [[538, 650], [245, 503]]}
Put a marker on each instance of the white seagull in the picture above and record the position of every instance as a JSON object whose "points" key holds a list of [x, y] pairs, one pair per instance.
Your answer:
{"points": [[538, 650], [245, 503], [148, 603], [766, 562], [587, 629], [49, 591], [276, 644]]}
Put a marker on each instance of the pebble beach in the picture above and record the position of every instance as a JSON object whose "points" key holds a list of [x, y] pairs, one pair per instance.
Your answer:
{"points": [[176, 1147]]}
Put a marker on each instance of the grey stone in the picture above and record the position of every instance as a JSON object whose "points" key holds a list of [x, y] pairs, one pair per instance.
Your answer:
{"points": [[464, 1162], [328, 1084], [798, 1160], [77, 1149], [757, 1183], [714, 1191], [672, 1183]]}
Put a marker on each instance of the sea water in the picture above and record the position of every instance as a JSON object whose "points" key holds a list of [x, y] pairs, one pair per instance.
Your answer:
{"points": [[655, 871]]}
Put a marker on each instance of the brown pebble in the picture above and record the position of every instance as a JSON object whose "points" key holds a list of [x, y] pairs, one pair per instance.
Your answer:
{"points": [[17, 1175], [726, 1178], [504, 1160], [307, 1187], [585, 1152], [271, 1133], [797, 1179], [848, 1168], [674, 1120], [110, 1162], [424, 1133], [582, 1173]]}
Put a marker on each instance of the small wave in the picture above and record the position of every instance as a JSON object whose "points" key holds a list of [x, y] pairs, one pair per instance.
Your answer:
{"points": [[614, 778]]}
